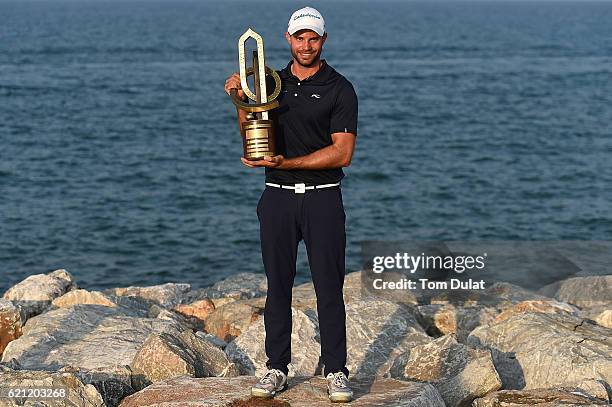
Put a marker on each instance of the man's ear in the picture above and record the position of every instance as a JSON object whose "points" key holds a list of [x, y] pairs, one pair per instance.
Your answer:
{"points": [[324, 37], [288, 37]]}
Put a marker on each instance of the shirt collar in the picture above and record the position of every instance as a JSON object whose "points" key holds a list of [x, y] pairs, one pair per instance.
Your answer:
{"points": [[319, 77]]}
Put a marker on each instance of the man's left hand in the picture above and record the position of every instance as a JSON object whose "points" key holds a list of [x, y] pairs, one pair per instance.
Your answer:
{"points": [[271, 162]]}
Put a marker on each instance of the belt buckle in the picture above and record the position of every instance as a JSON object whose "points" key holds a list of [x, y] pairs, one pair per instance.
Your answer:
{"points": [[300, 188]]}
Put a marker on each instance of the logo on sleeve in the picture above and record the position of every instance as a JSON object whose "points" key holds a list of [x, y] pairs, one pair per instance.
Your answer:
{"points": [[316, 96]]}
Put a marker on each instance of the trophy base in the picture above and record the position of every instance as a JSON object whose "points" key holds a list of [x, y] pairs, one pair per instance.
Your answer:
{"points": [[258, 139]]}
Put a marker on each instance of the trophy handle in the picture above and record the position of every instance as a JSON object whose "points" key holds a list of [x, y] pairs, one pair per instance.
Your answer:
{"points": [[251, 107], [259, 107]]}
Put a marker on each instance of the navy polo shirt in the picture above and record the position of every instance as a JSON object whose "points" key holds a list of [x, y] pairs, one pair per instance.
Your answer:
{"points": [[310, 111]]}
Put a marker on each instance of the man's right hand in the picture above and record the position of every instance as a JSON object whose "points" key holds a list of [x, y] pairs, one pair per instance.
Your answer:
{"points": [[233, 82]]}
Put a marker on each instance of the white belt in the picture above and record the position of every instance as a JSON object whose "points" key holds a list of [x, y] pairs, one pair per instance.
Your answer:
{"points": [[301, 188]]}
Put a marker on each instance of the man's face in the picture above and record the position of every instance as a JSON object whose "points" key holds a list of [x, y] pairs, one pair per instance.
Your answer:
{"points": [[306, 46]]}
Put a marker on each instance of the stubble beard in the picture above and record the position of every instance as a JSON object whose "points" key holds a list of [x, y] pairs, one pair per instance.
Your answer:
{"points": [[314, 61]]}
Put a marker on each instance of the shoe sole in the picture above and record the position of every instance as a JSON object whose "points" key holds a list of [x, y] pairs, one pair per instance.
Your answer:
{"points": [[340, 398], [261, 393]]}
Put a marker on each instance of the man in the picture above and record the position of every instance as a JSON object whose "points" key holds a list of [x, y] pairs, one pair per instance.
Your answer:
{"points": [[316, 126]]}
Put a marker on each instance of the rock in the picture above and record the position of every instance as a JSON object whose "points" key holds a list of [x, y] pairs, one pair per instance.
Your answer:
{"points": [[113, 383], [68, 385], [443, 319], [140, 306], [458, 372], [303, 297], [248, 350], [546, 306], [506, 294], [590, 387], [604, 318], [219, 302], [75, 336], [163, 356], [160, 312], [197, 311], [460, 313], [230, 320], [167, 295], [212, 339], [535, 397], [10, 323], [239, 286], [584, 292], [498, 296], [535, 350], [12, 364], [81, 296], [34, 294], [353, 288], [378, 331], [302, 392]]}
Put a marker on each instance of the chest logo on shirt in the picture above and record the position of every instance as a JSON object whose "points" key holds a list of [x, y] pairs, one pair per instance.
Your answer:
{"points": [[316, 96]]}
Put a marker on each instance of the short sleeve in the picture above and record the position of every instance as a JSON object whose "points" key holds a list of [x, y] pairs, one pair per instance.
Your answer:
{"points": [[344, 111]]}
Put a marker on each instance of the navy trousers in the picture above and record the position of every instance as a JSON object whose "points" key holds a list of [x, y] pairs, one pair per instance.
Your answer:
{"points": [[318, 218]]}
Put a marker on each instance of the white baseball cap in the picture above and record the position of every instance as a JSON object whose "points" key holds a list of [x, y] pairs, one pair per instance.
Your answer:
{"points": [[306, 18]]}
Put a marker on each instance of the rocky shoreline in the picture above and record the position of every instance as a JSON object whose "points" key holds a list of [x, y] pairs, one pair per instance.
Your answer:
{"points": [[173, 346]]}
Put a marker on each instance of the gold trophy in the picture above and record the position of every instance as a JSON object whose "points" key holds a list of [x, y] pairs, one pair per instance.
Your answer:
{"points": [[258, 131]]}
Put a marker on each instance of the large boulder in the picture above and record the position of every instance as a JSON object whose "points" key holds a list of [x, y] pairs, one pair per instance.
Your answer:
{"points": [[302, 392], [377, 331], [584, 292], [499, 296], [230, 320], [166, 295], [34, 294], [197, 311], [248, 350], [443, 319], [303, 297], [537, 350], [504, 294], [67, 389], [460, 312], [157, 311], [135, 304], [458, 372], [239, 286], [76, 335], [545, 306], [113, 382], [10, 323], [82, 296], [165, 355]]}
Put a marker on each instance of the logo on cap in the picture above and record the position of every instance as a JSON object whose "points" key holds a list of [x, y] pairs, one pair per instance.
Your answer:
{"points": [[306, 15], [306, 18]]}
